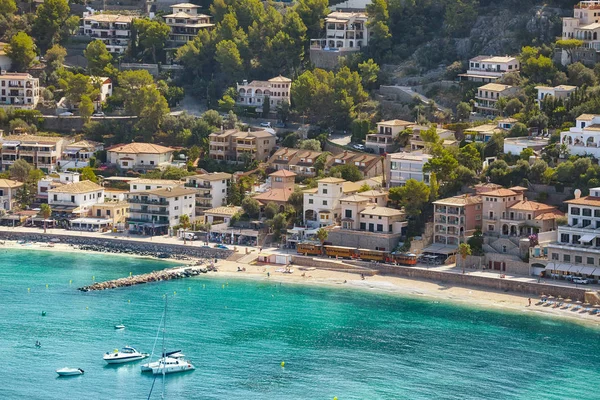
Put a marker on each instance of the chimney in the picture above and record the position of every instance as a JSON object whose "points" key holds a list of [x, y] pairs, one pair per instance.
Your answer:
{"points": [[577, 193]]}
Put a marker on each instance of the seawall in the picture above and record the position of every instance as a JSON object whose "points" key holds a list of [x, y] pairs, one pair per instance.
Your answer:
{"points": [[121, 245]]}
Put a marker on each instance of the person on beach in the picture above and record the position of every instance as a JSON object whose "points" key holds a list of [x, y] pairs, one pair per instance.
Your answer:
{"points": [[529, 301]]}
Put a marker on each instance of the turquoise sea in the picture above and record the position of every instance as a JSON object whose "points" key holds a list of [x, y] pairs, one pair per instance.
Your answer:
{"points": [[344, 343]]}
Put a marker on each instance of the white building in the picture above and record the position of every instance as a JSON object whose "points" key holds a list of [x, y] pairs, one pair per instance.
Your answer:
{"points": [[577, 250], [185, 22], [139, 156], [78, 154], [145, 185], [42, 152], [400, 167], [584, 138], [155, 211], [8, 191], [585, 26], [19, 90], [211, 190], [105, 86], [346, 31], [112, 29], [558, 92], [322, 204], [515, 145], [253, 94], [75, 197], [383, 141], [488, 95], [489, 69]]}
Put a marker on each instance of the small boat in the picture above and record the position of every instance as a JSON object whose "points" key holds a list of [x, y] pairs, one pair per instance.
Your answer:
{"points": [[127, 354], [148, 367], [69, 371], [169, 365], [120, 326]]}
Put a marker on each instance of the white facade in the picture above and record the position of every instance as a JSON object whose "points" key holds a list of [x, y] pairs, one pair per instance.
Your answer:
{"points": [[344, 31], [105, 85], [112, 29], [8, 191], [19, 90], [584, 138], [185, 22], [145, 185], [516, 145], [488, 95], [161, 207], [558, 92], [400, 167], [490, 68], [139, 156], [42, 152], [80, 195], [383, 141], [584, 25], [322, 205], [253, 94], [211, 190], [78, 154]]}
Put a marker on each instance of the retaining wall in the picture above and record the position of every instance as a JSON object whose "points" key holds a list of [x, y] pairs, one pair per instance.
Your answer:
{"points": [[119, 245]]}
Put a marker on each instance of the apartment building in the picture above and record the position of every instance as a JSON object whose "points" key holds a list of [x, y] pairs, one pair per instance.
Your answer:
{"points": [[211, 190], [114, 30], [239, 146], [8, 192], [456, 218], [145, 185], [78, 154], [345, 33], [576, 251], [368, 164], [75, 198], [583, 25], [482, 133], [281, 186], [155, 212], [139, 156], [584, 137], [418, 144], [115, 213], [507, 212], [488, 69], [400, 167], [562, 92], [42, 152], [19, 90], [185, 22], [488, 95], [322, 204], [383, 141], [300, 162], [255, 93], [51, 182]]}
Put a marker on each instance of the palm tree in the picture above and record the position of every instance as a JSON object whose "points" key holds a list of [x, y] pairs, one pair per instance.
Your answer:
{"points": [[464, 250], [45, 212], [322, 235], [184, 222]]}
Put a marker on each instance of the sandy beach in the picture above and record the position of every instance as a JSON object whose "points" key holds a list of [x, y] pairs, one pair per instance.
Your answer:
{"points": [[484, 299]]}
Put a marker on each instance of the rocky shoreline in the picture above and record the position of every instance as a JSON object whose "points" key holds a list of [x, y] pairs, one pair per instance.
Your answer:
{"points": [[154, 276]]}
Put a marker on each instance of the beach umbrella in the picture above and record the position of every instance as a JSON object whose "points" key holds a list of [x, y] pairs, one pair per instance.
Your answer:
{"points": [[550, 297], [55, 240], [560, 298], [578, 302]]}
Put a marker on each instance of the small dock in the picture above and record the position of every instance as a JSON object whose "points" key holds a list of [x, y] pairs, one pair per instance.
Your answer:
{"points": [[154, 276]]}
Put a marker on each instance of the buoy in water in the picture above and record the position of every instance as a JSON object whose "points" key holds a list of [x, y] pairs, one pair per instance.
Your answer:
{"points": [[223, 286], [129, 301], [189, 288], [70, 281], [174, 293], [46, 286], [203, 286], [29, 289], [282, 364], [87, 308], [43, 313]]}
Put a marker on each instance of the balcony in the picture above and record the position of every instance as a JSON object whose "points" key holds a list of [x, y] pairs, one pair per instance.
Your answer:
{"points": [[141, 200], [153, 212], [198, 185]]}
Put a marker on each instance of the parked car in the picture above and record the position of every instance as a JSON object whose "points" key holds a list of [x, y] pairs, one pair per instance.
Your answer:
{"points": [[66, 114], [98, 114], [358, 146], [265, 124], [581, 281]]}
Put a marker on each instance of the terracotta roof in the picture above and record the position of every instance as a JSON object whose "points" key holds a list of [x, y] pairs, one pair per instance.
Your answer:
{"points": [[155, 181], [109, 18], [459, 200], [374, 193], [396, 122], [527, 205], [215, 176], [355, 198], [84, 144], [226, 210], [313, 190], [278, 195], [9, 183], [500, 193], [184, 5], [171, 192], [381, 211], [280, 79], [77, 187], [283, 173], [585, 201], [140, 148], [32, 138], [587, 117], [350, 187], [518, 188], [331, 180], [550, 215], [495, 87]]}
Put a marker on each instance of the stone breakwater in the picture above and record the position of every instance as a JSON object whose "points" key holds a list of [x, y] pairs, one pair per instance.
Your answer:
{"points": [[122, 245], [154, 276]]}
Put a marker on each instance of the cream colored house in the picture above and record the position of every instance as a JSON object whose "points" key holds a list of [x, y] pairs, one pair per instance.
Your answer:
{"points": [[344, 32], [383, 141], [322, 204], [219, 215], [239, 146], [583, 25], [400, 167], [558, 92], [456, 218], [139, 156], [8, 191], [156, 211], [211, 190], [255, 93], [19, 90], [488, 69], [76, 197], [144, 185], [185, 22], [42, 152], [114, 30], [488, 95]]}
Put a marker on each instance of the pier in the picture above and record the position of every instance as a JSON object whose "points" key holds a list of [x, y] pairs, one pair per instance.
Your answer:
{"points": [[154, 276]]}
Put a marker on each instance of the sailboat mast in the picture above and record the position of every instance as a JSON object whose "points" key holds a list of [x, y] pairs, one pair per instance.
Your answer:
{"points": [[164, 348]]}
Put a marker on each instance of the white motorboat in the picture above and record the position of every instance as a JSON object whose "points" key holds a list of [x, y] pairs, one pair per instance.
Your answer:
{"points": [[69, 371], [148, 367], [169, 365], [120, 326], [127, 354]]}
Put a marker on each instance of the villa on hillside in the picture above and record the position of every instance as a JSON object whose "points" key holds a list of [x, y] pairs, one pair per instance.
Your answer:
{"points": [[139, 156], [488, 69], [185, 22], [43, 152], [387, 131], [19, 90], [253, 94], [211, 190], [8, 192], [488, 95], [114, 30], [584, 137], [400, 167], [240, 146], [322, 204], [562, 92], [300, 162], [583, 25]]}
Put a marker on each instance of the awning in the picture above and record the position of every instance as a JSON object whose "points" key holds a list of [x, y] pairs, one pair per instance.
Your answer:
{"points": [[438, 248], [588, 270], [587, 238], [70, 151], [91, 221]]}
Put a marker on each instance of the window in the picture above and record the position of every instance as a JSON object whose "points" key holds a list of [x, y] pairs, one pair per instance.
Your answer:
{"points": [[564, 238], [566, 257], [578, 259], [363, 226], [490, 227], [72, 199], [135, 186], [379, 228], [98, 213], [555, 256], [151, 162], [324, 191], [310, 201], [176, 207], [574, 210], [478, 217], [590, 260], [147, 187], [348, 213], [586, 212], [575, 239], [324, 202]]}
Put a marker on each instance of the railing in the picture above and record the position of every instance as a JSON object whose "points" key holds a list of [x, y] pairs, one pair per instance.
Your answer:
{"points": [[197, 186], [147, 201], [155, 212]]}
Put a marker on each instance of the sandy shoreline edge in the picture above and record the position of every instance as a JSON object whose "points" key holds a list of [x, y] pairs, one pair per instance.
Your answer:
{"points": [[465, 296]]}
